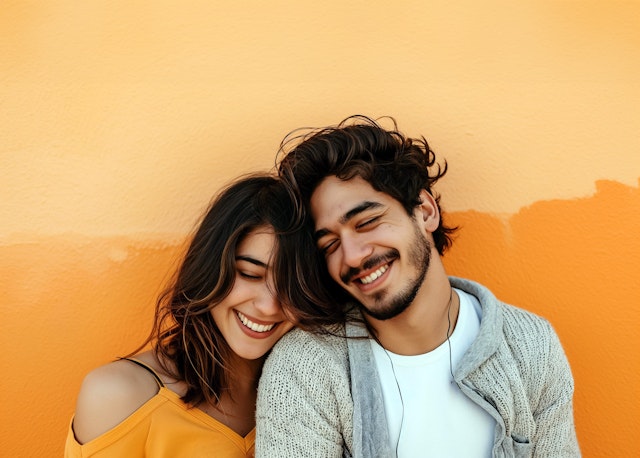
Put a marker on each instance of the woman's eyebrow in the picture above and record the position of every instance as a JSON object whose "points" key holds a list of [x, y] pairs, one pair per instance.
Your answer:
{"points": [[252, 261]]}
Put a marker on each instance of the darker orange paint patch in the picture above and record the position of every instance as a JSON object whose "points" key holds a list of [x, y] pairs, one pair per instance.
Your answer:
{"points": [[72, 303], [576, 262], [69, 304]]}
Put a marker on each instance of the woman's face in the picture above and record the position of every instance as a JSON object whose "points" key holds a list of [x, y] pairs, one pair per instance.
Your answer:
{"points": [[250, 318]]}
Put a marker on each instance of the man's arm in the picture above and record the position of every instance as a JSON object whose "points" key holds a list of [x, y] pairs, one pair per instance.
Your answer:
{"points": [[304, 405], [555, 428]]}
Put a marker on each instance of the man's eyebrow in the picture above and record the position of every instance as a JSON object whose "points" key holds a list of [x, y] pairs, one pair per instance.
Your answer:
{"points": [[252, 261], [362, 207]]}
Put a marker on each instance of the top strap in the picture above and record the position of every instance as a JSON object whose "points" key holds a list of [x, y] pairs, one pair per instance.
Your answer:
{"points": [[148, 368]]}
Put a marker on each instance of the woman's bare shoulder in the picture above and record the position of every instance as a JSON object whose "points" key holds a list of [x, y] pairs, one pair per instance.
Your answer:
{"points": [[109, 394]]}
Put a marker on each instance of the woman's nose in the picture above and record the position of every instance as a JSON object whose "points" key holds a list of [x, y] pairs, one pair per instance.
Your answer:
{"points": [[267, 303]]}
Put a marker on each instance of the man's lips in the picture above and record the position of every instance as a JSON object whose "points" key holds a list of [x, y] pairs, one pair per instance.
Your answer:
{"points": [[374, 275], [371, 269]]}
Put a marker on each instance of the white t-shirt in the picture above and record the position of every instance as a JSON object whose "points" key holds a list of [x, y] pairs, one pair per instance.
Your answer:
{"points": [[427, 414]]}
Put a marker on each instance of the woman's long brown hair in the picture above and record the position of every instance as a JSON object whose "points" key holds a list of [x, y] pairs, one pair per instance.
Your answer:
{"points": [[185, 338]]}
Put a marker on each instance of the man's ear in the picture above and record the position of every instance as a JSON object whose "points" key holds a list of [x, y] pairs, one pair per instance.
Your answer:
{"points": [[428, 211]]}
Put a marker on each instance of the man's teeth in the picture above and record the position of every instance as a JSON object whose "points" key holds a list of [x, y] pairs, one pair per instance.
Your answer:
{"points": [[254, 326], [373, 275]]}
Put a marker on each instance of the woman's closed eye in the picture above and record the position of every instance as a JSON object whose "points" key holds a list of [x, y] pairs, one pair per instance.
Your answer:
{"points": [[250, 268], [250, 276]]}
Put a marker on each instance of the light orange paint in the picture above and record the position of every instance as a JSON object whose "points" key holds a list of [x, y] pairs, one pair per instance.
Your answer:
{"points": [[148, 109]]}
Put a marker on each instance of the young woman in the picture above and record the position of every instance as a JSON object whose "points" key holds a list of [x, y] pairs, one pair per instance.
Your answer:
{"points": [[194, 393]]}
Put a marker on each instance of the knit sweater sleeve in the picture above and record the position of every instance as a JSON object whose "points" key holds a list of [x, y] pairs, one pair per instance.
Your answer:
{"points": [[538, 400], [304, 405], [555, 429]]}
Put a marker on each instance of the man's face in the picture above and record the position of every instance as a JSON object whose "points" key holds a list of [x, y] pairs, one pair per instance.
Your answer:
{"points": [[373, 248]]}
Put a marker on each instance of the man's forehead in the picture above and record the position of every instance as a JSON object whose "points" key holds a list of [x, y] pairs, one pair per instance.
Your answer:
{"points": [[356, 188]]}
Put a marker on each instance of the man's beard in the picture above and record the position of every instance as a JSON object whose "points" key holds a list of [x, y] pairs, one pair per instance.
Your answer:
{"points": [[420, 258]]}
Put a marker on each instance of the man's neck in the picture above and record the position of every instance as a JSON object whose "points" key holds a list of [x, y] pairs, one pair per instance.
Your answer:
{"points": [[426, 323]]}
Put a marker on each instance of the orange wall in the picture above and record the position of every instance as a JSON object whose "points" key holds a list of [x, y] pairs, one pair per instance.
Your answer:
{"points": [[118, 123]]}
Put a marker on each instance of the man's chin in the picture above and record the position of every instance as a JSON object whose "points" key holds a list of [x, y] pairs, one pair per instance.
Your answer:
{"points": [[385, 313]]}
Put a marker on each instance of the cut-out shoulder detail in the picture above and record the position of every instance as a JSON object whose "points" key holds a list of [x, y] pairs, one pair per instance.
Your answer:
{"points": [[109, 394], [146, 367]]}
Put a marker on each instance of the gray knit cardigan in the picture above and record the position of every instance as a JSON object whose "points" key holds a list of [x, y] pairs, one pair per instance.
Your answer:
{"points": [[320, 396]]}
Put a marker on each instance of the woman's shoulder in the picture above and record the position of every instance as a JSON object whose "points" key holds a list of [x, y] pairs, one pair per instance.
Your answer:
{"points": [[111, 393]]}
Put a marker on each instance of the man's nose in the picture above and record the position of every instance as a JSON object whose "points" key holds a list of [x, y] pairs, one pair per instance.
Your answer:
{"points": [[355, 251]]}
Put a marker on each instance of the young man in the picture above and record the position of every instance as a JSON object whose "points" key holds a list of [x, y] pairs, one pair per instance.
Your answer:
{"points": [[423, 364]]}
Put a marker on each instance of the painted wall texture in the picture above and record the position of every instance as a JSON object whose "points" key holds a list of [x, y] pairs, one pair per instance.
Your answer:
{"points": [[119, 121]]}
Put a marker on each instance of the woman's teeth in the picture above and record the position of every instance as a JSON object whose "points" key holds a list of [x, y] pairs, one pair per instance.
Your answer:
{"points": [[373, 275], [254, 326]]}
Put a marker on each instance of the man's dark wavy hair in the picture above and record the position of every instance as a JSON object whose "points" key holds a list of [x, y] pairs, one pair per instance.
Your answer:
{"points": [[391, 162]]}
